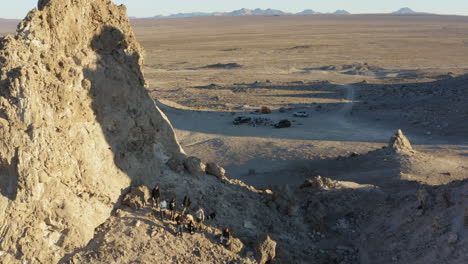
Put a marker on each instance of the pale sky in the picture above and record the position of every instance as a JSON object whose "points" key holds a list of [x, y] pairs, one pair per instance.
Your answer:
{"points": [[148, 8]]}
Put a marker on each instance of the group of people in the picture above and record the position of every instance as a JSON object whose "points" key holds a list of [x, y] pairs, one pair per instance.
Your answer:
{"points": [[184, 220]]}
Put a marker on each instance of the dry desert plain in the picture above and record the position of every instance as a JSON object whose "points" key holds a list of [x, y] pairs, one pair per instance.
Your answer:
{"points": [[359, 78]]}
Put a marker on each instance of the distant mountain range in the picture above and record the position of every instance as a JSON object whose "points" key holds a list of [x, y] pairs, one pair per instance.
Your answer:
{"points": [[407, 11], [251, 12], [255, 12]]}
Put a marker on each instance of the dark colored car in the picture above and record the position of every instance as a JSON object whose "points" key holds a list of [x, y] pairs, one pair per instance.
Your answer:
{"points": [[283, 123], [241, 120]]}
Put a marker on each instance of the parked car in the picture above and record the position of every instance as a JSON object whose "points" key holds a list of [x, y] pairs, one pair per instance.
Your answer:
{"points": [[241, 120], [283, 123], [301, 114]]}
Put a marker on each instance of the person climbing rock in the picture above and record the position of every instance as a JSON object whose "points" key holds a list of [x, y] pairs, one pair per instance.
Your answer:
{"points": [[186, 204], [163, 209], [225, 236], [155, 196], [172, 208]]}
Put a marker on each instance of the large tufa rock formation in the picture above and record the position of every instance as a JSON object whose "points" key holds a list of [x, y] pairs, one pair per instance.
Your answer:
{"points": [[77, 127], [400, 143]]}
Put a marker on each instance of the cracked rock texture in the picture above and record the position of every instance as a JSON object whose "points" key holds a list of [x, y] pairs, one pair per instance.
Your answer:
{"points": [[77, 127]]}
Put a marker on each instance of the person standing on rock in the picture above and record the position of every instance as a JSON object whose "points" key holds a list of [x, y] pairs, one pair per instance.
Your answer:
{"points": [[163, 208], [172, 208], [180, 225], [225, 236], [155, 196], [190, 224], [200, 217], [186, 204]]}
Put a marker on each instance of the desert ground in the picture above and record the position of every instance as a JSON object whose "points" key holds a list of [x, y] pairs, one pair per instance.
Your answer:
{"points": [[335, 186], [358, 77]]}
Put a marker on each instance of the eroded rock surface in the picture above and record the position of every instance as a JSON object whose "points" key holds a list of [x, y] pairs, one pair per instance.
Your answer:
{"points": [[77, 127], [399, 142]]}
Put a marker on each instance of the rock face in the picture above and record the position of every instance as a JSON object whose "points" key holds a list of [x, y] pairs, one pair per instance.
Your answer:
{"points": [[137, 197], [195, 167], [399, 142], [215, 170], [283, 200], [176, 164], [265, 249], [77, 127]]}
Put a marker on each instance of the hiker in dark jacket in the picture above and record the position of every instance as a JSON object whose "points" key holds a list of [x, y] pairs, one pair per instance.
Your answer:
{"points": [[155, 196], [186, 203], [190, 226], [180, 225], [172, 208], [225, 236]]}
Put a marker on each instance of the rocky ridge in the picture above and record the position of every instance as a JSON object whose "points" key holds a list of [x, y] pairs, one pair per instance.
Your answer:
{"points": [[77, 126]]}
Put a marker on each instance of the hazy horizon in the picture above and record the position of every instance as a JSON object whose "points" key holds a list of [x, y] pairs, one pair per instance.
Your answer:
{"points": [[148, 8]]}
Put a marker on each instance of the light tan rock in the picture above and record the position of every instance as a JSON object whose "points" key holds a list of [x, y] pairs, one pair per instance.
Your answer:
{"points": [[77, 126], [137, 198], [399, 142], [265, 249]]}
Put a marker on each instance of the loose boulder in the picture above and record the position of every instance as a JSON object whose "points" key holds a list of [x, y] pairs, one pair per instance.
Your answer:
{"points": [[265, 249], [195, 167], [137, 197], [176, 164], [215, 170]]}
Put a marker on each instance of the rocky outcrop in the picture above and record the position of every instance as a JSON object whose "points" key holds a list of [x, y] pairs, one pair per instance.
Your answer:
{"points": [[399, 142], [137, 198], [320, 183], [195, 167], [77, 127], [176, 164], [215, 170], [283, 200], [265, 249]]}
